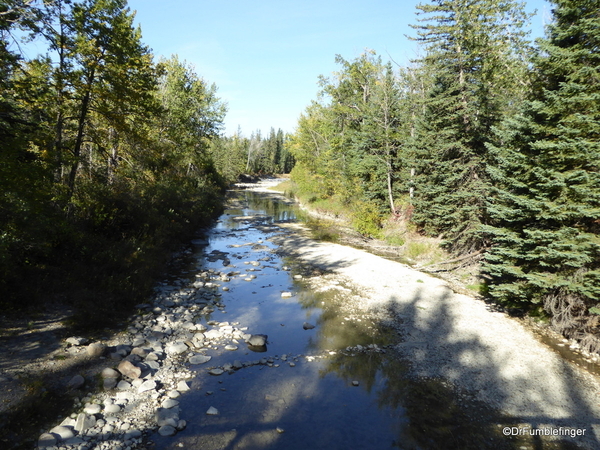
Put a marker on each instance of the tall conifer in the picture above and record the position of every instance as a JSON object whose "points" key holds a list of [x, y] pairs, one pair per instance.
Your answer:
{"points": [[474, 53], [546, 238]]}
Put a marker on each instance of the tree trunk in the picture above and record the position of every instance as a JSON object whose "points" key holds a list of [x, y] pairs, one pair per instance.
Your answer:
{"points": [[79, 140]]}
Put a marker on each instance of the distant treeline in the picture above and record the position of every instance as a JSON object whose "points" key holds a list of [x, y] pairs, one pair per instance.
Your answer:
{"points": [[486, 140], [107, 157], [234, 155]]}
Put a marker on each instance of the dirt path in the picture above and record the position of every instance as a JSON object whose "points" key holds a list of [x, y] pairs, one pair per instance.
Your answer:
{"points": [[460, 339]]}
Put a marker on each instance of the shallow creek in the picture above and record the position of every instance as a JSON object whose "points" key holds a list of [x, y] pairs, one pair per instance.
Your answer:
{"points": [[335, 386], [318, 387]]}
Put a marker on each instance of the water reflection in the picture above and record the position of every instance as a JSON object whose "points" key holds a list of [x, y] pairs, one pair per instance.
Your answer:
{"points": [[337, 386]]}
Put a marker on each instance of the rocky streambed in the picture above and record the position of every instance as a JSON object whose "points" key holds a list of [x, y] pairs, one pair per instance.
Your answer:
{"points": [[265, 339]]}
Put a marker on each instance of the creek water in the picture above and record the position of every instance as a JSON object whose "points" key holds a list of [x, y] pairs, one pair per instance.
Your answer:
{"points": [[311, 394], [335, 386]]}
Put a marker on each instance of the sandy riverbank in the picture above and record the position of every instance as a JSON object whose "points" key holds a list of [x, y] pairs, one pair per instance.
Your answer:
{"points": [[460, 339]]}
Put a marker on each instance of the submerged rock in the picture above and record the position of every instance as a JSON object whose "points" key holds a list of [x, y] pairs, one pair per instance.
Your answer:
{"points": [[167, 430], [307, 326]]}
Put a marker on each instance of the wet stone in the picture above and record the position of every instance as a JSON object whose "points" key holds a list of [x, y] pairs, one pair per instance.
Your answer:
{"points": [[167, 430], [258, 340]]}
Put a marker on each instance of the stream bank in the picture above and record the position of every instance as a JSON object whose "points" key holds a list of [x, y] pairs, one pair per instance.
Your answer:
{"points": [[361, 353]]}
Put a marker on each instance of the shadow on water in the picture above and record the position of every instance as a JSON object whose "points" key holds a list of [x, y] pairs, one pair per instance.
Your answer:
{"points": [[342, 385]]}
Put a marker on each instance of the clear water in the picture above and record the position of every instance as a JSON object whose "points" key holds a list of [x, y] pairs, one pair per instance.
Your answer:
{"points": [[314, 404], [330, 398]]}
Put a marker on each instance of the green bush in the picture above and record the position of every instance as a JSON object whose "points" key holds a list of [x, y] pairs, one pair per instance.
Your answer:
{"points": [[366, 219]]}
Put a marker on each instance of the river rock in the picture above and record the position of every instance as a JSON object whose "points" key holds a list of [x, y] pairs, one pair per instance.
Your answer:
{"points": [[258, 340], [307, 326], [147, 385], [129, 370], [138, 351], [167, 430], [84, 422], [286, 295], [76, 382], [231, 348], [96, 350], [216, 371], [177, 348], [167, 417], [123, 385], [199, 359], [212, 334], [173, 394], [132, 434], [76, 340], [169, 403], [46, 440], [92, 408], [212, 411], [109, 383], [63, 432], [182, 386], [112, 409], [123, 349], [138, 341]]}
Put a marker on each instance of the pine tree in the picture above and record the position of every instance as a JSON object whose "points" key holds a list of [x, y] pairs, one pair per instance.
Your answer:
{"points": [[475, 59], [546, 238]]}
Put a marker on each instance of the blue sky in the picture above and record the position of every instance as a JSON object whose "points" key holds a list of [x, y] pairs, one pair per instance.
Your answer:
{"points": [[265, 56]]}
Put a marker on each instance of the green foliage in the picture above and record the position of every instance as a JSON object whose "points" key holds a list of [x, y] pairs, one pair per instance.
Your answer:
{"points": [[104, 161], [475, 69], [366, 219], [546, 207]]}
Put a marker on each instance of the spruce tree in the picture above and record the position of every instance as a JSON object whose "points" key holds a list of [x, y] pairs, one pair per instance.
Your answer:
{"points": [[474, 55], [546, 209]]}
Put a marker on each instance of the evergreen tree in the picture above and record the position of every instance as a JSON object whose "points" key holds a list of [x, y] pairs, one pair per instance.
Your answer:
{"points": [[475, 59], [547, 207]]}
